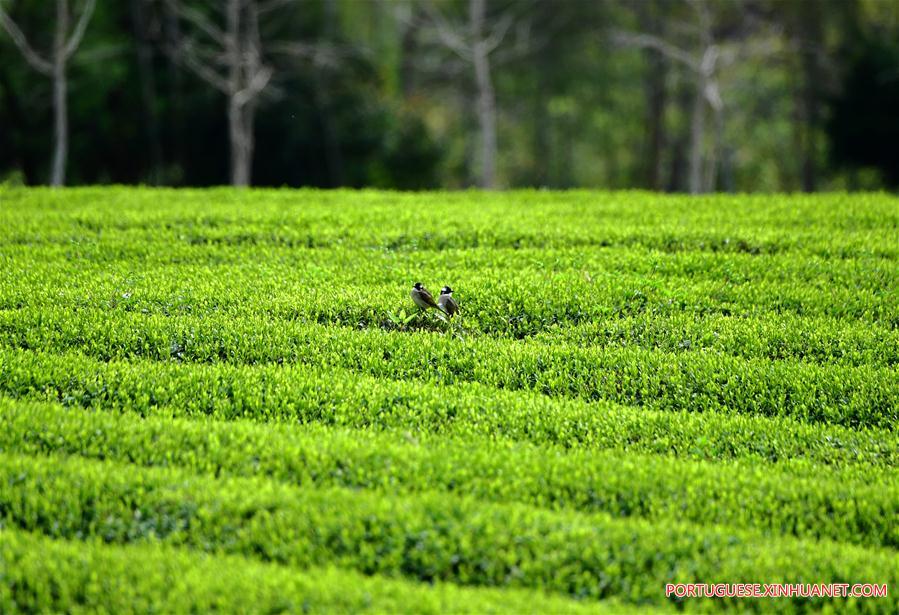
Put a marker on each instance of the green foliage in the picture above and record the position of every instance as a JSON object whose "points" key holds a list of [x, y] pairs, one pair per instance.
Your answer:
{"points": [[700, 382], [295, 394], [369, 94], [847, 505], [863, 126], [431, 537], [72, 576], [233, 390]]}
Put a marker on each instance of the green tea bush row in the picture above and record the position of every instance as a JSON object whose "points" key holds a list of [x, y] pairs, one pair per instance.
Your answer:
{"points": [[499, 301], [780, 338], [329, 396], [157, 254], [42, 576], [623, 315], [841, 507], [698, 382], [829, 225], [431, 537]]}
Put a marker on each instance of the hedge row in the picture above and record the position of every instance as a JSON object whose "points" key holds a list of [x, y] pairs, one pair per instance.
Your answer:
{"points": [[824, 341], [431, 537], [296, 393], [157, 254], [41, 576], [681, 320], [516, 299], [848, 507], [836, 226], [862, 396]]}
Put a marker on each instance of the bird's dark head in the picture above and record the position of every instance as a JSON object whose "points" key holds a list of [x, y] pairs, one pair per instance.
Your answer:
{"points": [[417, 286], [446, 290]]}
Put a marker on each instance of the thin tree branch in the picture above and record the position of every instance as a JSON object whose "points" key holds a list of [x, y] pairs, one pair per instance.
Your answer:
{"points": [[757, 49], [447, 33], [18, 38], [321, 54], [199, 20], [709, 60], [80, 27], [648, 41], [272, 5], [209, 55], [186, 53], [257, 84], [499, 32], [704, 19], [713, 96], [292, 48], [99, 53]]}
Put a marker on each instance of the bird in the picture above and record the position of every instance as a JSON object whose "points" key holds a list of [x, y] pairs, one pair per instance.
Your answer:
{"points": [[423, 298], [447, 303]]}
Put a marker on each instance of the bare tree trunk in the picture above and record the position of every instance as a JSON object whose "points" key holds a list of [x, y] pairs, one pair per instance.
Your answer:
{"points": [[241, 119], [233, 65], [486, 104], [677, 179], [697, 135], [656, 97], [809, 166], [175, 95], [60, 125], [487, 121], [241, 144], [712, 166], [811, 39], [322, 97], [408, 48], [236, 136], [330, 136], [147, 88], [249, 143], [542, 150], [655, 137], [60, 87], [64, 46]]}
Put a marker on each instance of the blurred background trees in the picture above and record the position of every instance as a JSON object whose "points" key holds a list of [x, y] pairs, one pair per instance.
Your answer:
{"points": [[65, 44], [676, 95]]}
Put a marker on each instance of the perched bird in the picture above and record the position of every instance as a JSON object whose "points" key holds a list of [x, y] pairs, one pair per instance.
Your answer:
{"points": [[447, 303], [423, 298]]}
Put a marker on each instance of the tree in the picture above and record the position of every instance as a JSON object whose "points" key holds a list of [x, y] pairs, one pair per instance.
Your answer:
{"points": [[862, 127], [815, 34], [474, 42], [230, 60], [702, 62], [717, 40], [807, 34], [651, 21], [147, 80], [65, 44]]}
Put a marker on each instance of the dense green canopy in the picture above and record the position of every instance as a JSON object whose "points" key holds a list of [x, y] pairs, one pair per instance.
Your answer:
{"points": [[800, 95]]}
